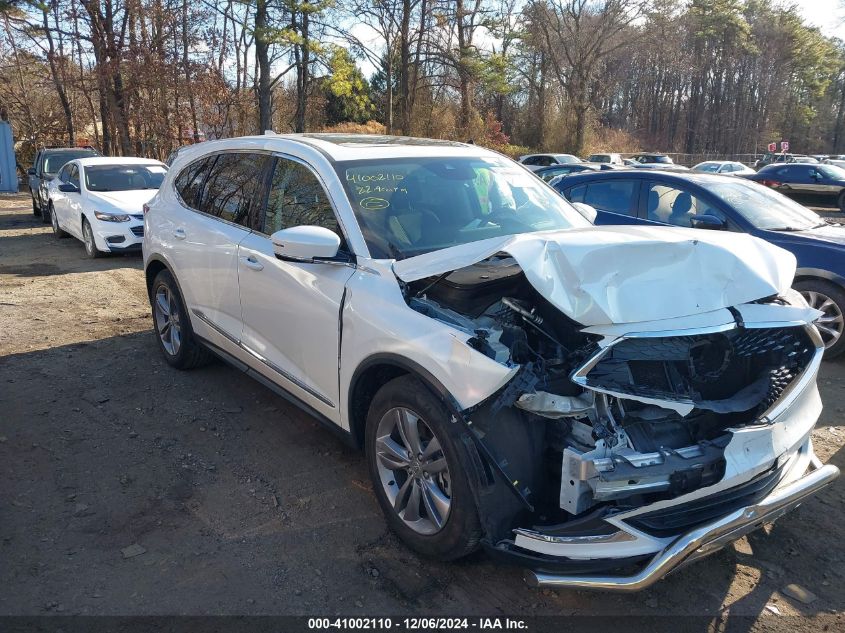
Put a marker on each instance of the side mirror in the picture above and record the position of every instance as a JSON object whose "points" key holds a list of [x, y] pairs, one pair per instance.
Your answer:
{"points": [[305, 243], [30, 171], [67, 187], [707, 221], [586, 210]]}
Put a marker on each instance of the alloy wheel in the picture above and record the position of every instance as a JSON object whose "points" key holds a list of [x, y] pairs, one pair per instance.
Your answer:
{"points": [[167, 321], [832, 322], [88, 235], [413, 470]]}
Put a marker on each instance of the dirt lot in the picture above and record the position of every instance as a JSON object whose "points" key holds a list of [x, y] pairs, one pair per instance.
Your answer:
{"points": [[241, 504]]}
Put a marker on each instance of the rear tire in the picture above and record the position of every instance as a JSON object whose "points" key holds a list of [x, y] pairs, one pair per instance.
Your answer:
{"points": [[174, 334], [841, 201], [436, 514], [830, 299]]}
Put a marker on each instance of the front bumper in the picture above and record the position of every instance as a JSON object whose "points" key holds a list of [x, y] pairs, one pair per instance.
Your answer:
{"points": [[703, 540], [118, 237]]}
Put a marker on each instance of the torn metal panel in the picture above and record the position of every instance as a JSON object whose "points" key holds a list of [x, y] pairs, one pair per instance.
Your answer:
{"points": [[614, 275]]}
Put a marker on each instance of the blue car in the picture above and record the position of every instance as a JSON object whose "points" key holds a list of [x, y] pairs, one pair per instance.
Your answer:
{"points": [[726, 203]]}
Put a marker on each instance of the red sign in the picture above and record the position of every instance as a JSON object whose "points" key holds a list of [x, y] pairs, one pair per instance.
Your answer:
{"points": [[773, 147], [784, 146]]}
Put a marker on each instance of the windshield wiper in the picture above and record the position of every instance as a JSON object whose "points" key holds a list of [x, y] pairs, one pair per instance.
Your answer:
{"points": [[786, 228]]}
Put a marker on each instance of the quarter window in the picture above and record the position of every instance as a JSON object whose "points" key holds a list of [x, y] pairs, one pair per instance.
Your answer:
{"points": [[297, 198], [234, 190], [189, 181]]}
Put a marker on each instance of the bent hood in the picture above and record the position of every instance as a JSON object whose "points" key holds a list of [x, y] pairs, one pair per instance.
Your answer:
{"points": [[625, 274], [124, 201]]}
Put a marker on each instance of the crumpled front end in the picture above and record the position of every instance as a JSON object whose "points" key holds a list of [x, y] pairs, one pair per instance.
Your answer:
{"points": [[630, 448]]}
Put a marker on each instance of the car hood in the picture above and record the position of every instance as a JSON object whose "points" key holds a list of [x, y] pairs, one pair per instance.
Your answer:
{"points": [[123, 201], [614, 274]]}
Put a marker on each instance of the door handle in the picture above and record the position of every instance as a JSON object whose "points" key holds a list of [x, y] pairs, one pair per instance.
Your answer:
{"points": [[251, 262], [179, 234]]}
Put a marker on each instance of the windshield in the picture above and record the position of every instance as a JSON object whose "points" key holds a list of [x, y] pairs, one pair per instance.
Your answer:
{"points": [[411, 206], [599, 158], [707, 167], [54, 162], [764, 208], [832, 171], [123, 177]]}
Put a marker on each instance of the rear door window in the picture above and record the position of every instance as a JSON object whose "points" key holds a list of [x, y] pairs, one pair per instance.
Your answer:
{"points": [[235, 188]]}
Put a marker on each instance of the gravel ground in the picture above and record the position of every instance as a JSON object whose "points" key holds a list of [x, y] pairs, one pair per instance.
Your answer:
{"points": [[129, 488]]}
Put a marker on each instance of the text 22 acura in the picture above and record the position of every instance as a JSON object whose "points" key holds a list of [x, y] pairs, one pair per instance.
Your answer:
{"points": [[581, 400]]}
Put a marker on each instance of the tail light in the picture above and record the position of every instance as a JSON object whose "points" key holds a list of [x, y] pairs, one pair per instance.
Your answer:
{"points": [[771, 183], [145, 208]]}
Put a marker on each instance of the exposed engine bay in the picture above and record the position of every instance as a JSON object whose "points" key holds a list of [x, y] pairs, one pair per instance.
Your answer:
{"points": [[590, 425]]}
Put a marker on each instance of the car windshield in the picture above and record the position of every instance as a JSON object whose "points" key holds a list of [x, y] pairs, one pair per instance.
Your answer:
{"points": [[123, 177], [411, 206], [832, 171], [659, 159], [764, 208], [599, 158], [54, 162], [707, 167]]}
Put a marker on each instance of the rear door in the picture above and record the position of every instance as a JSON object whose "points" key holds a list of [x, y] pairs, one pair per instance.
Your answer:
{"points": [[291, 310], [224, 194]]}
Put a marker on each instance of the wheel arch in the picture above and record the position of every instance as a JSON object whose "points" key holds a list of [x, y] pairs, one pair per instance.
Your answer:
{"points": [[376, 371], [810, 274], [154, 266]]}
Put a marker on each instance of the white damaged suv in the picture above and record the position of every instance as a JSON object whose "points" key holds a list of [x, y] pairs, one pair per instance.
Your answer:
{"points": [[597, 404]]}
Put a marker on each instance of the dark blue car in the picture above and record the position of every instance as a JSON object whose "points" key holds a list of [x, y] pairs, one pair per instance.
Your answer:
{"points": [[729, 204]]}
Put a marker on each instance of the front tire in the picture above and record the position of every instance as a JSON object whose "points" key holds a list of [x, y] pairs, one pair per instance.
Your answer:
{"points": [[36, 208], [841, 201], [174, 334], [88, 239], [44, 210], [829, 299], [412, 452], [54, 221]]}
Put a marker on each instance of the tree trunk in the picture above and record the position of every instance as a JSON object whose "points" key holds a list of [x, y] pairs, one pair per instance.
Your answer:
{"points": [[262, 63]]}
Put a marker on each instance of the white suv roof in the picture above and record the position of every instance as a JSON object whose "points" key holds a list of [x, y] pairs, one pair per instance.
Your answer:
{"points": [[342, 147], [117, 160]]}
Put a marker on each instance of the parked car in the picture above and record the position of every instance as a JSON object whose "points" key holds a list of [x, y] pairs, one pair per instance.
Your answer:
{"points": [[559, 171], [100, 200], [836, 162], [47, 163], [800, 158], [656, 161], [549, 173], [449, 313], [647, 158], [802, 181], [737, 206], [772, 157], [724, 167], [613, 159], [538, 161]]}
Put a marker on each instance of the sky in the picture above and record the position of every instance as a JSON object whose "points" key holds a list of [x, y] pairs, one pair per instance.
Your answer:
{"points": [[828, 15]]}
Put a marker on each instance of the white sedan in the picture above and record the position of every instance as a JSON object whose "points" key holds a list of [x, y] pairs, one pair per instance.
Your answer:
{"points": [[725, 167], [100, 201]]}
